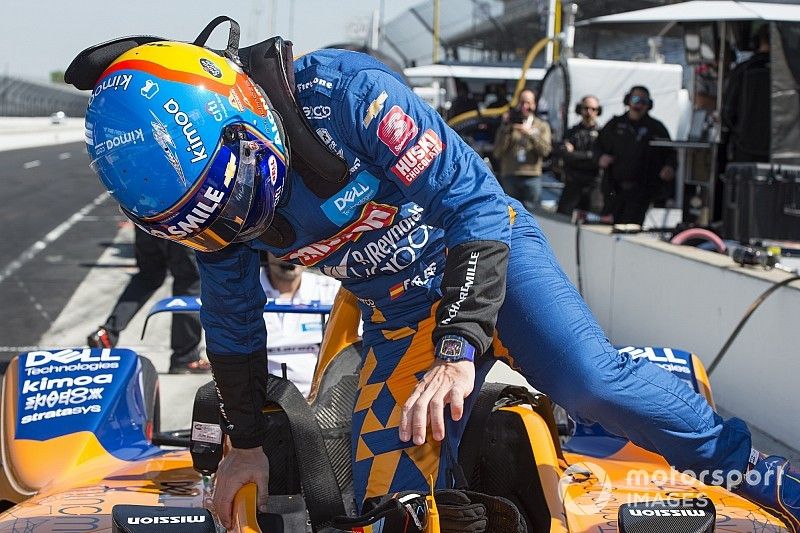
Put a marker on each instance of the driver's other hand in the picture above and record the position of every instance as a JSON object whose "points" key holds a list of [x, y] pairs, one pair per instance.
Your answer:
{"points": [[444, 383], [239, 467]]}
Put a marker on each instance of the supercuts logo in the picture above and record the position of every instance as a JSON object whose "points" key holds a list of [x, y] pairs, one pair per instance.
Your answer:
{"points": [[374, 216], [196, 146], [120, 81], [419, 157], [66, 357], [193, 222], [396, 129]]}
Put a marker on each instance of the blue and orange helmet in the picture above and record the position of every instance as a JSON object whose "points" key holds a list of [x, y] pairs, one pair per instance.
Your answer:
{"points": [[187, 144]]}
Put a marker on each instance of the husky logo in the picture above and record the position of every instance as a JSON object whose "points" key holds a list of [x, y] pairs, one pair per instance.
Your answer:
{"points": [[66, 357], [418, 157], [196, 146]]}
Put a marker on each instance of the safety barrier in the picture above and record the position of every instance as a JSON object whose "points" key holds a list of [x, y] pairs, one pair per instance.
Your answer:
{"points": [[19, 98]]}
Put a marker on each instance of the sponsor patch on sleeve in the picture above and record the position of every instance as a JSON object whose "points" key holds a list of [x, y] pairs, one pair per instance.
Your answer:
{"points": [[396, 129], [418, 157]]}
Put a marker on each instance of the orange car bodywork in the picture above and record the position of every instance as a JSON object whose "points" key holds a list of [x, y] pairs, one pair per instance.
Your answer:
{"points": [[71, 483]]}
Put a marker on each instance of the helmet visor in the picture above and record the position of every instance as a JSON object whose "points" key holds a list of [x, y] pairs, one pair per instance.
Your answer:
{"points": [[217, 213]]}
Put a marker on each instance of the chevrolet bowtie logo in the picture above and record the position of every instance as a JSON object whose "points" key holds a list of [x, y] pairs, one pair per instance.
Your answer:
{"points": [[374, 108]]}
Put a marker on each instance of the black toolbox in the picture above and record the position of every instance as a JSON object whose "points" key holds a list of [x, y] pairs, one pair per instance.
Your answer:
{"points": [[761, 201]]}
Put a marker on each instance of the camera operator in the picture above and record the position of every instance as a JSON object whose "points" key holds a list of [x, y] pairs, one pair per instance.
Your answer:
{"points": [[522, 141]]}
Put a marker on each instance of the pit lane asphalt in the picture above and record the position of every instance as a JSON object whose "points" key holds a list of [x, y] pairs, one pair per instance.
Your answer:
{"points": [[47, 250], [66, 254]]}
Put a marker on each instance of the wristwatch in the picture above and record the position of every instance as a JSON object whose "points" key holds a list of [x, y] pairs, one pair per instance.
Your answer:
{"points": [[452, 348]]}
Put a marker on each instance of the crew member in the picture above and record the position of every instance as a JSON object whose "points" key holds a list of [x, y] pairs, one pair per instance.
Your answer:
{"points": [[581, 187], [635, 171], [293, 339]]}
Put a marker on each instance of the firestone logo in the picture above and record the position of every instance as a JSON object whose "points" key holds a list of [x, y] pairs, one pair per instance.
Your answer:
{"points": [[316, 82]]}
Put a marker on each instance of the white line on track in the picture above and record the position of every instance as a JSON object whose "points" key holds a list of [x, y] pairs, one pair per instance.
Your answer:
{"points": [[31, 164], [64, 155], [51, 237]]}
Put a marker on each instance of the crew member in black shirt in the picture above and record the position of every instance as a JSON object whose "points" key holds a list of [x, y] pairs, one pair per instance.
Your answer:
{"points": [[581, 187], [634, 170]]}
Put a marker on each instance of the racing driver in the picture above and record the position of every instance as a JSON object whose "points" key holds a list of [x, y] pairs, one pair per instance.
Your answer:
{"points": [[447, 268]]}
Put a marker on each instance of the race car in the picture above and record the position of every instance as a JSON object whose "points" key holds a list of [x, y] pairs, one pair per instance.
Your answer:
{"points": [[82, 451]]}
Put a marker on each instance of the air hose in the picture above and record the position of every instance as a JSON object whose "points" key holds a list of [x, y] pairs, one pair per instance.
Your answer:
{"points": [[745, 318]]}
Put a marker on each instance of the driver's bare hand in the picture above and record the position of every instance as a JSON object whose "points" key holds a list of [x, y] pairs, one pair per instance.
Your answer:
{"points": [[239, 467], [444, 383]]}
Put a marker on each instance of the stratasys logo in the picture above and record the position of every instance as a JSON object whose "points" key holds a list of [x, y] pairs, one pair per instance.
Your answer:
{"points": [[146, 520]]}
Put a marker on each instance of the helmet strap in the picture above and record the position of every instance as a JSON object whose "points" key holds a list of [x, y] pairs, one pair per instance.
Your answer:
{"points": [[232, 50]]}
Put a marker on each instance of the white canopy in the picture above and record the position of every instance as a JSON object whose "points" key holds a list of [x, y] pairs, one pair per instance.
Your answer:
{"points": [[703, 11], [472, 72]]}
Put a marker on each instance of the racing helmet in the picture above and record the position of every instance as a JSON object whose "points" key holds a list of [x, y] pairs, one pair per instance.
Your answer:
{"points": [[187, 144]]}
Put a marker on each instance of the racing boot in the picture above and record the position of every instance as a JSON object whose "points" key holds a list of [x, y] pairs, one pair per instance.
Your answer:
{"points": [[776, 488], [102, 337]]}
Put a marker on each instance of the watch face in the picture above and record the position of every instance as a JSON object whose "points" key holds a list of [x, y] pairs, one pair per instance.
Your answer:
{"points": [[451, 348]]}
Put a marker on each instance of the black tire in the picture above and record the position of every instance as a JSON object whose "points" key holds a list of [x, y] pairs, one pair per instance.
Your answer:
{"points": [[152, 396]]}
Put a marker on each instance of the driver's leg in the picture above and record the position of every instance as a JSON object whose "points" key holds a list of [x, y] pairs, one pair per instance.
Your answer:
{"points": [[382, 463], [562, 351]]}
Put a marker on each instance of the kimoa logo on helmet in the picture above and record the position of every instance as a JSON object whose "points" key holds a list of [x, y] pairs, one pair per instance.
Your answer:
{"points": [[120, 81], [196, 145]]}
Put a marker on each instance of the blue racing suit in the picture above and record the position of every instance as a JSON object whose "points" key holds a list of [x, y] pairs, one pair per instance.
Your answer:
{"points": [[425, 238]]}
